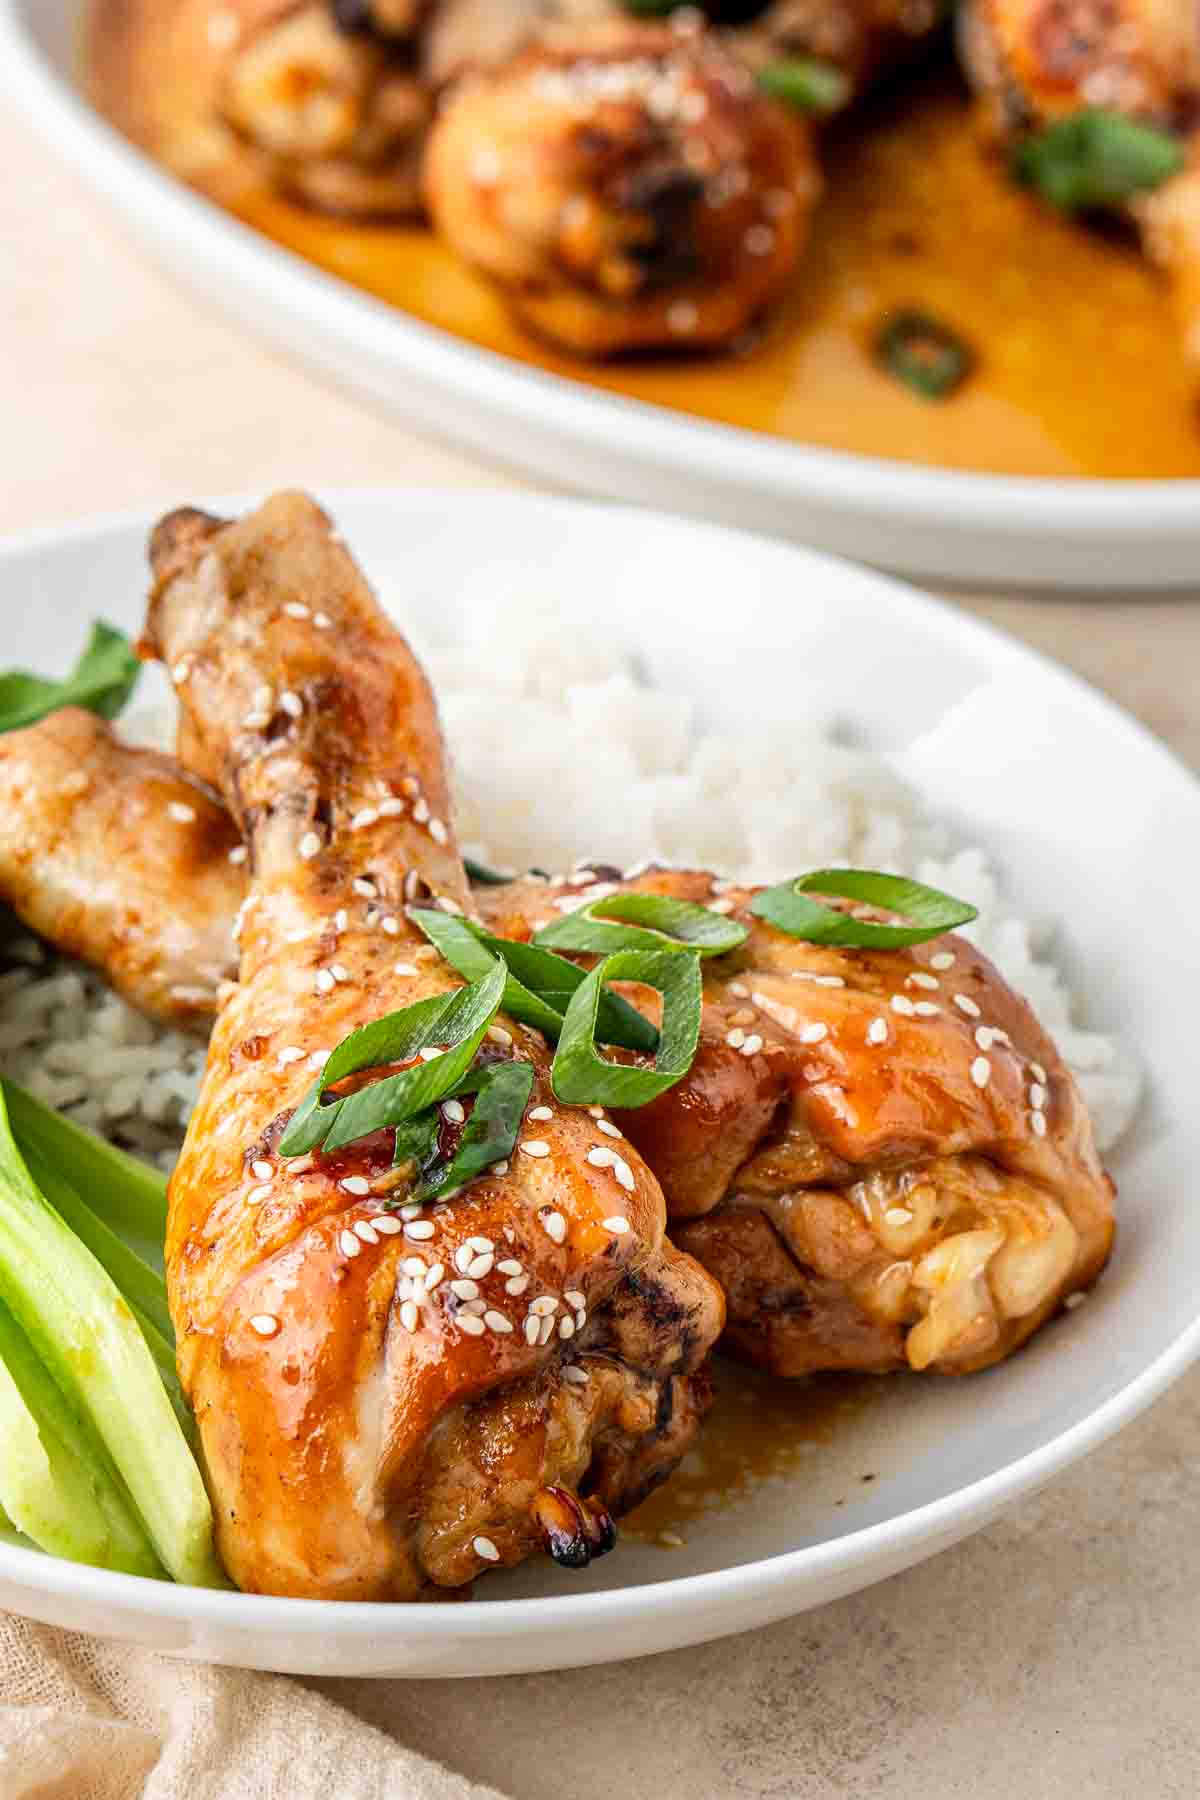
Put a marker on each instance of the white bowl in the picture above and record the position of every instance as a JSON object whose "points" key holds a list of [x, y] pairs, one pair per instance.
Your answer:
{"points": [[1097, 828], [935, 522]]}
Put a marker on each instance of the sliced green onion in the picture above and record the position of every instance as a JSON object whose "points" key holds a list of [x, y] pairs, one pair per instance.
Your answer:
{"points": [[933, 913], [457, 1019], [479, 875], [102, 680], [540, 984], [668, 923], [806, 83], [580, 1076], [924, 354], [1096, 159], [502, 1094], [417, 1141]]}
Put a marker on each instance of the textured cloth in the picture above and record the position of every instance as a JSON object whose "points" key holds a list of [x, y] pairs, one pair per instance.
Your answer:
{"points": [[85, 1719]]}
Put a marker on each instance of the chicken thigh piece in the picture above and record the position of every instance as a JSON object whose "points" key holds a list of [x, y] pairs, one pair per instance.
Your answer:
{"points": [[627, 186], [392, 1396], [115, 856], [880, 1155]]}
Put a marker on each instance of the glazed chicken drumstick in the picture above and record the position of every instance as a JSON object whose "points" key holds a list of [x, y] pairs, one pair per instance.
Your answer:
{"points": [[391, 1396]]}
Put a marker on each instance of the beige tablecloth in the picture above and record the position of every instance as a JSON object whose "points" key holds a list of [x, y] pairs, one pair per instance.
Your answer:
{"points": [[1055, 1652]]}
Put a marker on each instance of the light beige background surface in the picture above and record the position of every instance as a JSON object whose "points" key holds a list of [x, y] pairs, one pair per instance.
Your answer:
{"points": [[1058, 1652]]}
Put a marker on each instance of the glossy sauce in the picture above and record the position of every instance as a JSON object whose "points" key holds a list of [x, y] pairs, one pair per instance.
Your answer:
{"points": [[1080, 365]]}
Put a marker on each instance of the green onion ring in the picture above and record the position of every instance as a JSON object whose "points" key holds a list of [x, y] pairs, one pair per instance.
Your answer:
{"points": [[580, 1076], [933, 913], [668, 923]]}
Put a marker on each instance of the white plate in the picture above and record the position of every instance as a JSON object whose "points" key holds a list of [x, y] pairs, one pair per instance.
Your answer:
{"points": [[956, 526], [1098, 828]]}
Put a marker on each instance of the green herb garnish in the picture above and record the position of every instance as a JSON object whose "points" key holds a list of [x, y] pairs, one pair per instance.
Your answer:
{"points": [[481, 876], [933, 913], [580, 1076], [454, 1022], [502, 1092], [648, 922], [540, 984], [806, 83], [924, 354], [1096, 159], [102, 680]]}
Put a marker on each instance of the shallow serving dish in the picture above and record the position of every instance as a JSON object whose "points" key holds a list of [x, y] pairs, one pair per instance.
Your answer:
{"points": [[1094, 825], [957, 525]]}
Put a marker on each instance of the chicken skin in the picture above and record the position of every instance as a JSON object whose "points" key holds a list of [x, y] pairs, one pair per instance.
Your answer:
{"points": [[392, 1396], [1035, 62], [628, 187], [117, 857], [879, 1154]]}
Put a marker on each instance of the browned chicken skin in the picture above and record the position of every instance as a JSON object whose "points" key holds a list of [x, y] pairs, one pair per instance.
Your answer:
{"points": [[117, 857], [387, 1406]]}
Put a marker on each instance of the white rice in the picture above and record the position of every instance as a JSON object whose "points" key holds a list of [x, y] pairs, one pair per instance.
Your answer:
{"points": [[561, 756]]}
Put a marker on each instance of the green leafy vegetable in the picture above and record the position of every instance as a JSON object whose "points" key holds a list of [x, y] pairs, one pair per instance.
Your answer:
{"points": [[84, 1337], [456, 1020], [924, 354], [806, 83], [668, 923], [933, 913], [102, 680], [1096, 159], [479, 875], [582, 1077], [539, 985], [502, 1094]]}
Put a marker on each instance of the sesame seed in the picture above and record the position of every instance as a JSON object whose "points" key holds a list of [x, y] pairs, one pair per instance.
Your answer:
{"points": [[462, 1256], [597, 1112], [498, 1034], [419, 1229], [535, 1147], [500, 1168], [366, 890], [1071, 1302], [616, 1225], [410, 1210], [1037, 1121], [238, 855], [348, 1243], [454, 1111], [540, 1112], [574, 1298], [965, 1004], [409, 1316], [813, 1034], [543, 1306], [682, 317], [445, 904], [532, 1329], [483, 1546], [262, 1171], [293, 1054], [319, 1058], [464, 1290], [421, 810], [480, 1244], [624, 1175], [310, 845], [390, 1227], [181, 813], [739, 990], [897, 1215], [267, 1325], [339, 971], [341, 919], [291, 703], [601, 1157], [900, 1003], [574, 1376], [1037, 1071], [752, 1045], [390, 924], [985, 1037], [406, 969], [355, 1184], [434, 1276], [759, 240], [437, 831], [566, 1328], [922, 980], [481, 1265], [497, 1321], [366, 815], [296, 609], [509, 1266], [925, 1009], [364, 1229], [581, 1318], [258, 1194], [555, 1226], [877, 1031], [1037, 1095], [720, 906], [322, 621], [981, 1071], [431, 1053], [735, 1038], [516, 1284], [943, 960], [470, 1324], [413, 1265], [181, 671], [545, 1331]]}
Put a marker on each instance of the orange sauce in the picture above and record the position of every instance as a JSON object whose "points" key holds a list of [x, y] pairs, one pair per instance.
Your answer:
{"points": [[1080, 363], [759, 1428]]}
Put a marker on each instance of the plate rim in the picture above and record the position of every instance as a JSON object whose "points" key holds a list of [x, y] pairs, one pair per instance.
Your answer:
{"points": [[689, 1597], [1102, 510]]}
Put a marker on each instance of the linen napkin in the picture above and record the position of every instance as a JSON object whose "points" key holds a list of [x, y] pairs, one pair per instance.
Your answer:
{"points": [[84, 1718]]}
